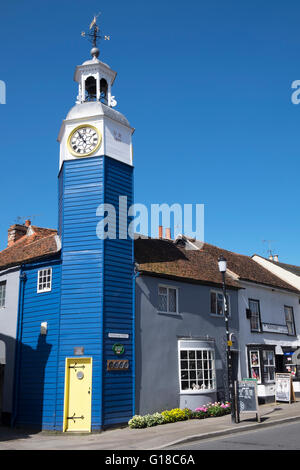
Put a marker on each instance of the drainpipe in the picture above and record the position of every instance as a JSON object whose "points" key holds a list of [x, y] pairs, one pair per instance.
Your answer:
{"points": [[23, 279]]}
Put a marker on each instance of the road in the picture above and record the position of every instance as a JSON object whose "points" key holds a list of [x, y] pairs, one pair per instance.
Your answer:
{"points": [[279, 437]]}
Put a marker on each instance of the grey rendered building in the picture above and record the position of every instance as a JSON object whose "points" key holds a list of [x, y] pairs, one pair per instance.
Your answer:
{"points": [[180, 328]]}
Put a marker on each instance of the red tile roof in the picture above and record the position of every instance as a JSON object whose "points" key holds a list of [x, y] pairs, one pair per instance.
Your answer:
{"points": [[161, 257], [247, 269], [42, 242], [164, 258], [158, 257]]}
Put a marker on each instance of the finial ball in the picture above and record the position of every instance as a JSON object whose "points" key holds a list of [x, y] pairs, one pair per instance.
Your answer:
{"points": [[95, 52]]}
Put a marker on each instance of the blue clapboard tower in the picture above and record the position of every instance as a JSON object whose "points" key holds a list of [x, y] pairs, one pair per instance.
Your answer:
{"points": [[96, 324], [75, 340]]}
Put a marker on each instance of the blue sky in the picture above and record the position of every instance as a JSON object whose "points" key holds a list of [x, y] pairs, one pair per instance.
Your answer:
{"points": [[206, 84]]}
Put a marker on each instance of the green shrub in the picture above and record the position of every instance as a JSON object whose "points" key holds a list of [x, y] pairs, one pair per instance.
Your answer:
{"points": [[137, 422], [188, 413], [218, 409], [198, 415], [177, 414], [154, 420]]}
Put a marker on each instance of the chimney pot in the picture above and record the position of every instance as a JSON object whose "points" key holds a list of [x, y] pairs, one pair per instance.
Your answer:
{"points": [[276, 258], [168, 233], [27, 223], [271, 257], [160, 231]]}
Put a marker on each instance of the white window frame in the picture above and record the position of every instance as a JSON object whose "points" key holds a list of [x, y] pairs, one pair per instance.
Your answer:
{"points": [[268, 365], [254, 366], [3, 283], [217, 292], [40, 274], [194, 346], [168, 287]]}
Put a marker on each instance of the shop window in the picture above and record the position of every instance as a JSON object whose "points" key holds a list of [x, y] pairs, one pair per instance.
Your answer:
{"points": [[196, 367], [217, 303], [2, 294], [288, 365], [289, 318], [255, 365], [44, 280], [168, 299], [262, 364], [255, 315], [268, 359]]}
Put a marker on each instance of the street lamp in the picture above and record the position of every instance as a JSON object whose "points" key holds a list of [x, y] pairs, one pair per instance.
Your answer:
{"points": [[222, 262]]}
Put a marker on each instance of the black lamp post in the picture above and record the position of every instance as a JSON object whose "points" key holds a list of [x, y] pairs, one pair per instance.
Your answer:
{"points": [[222, 268]]}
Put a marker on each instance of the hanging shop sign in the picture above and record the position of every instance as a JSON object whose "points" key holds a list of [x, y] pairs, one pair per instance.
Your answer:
{"points": [[247, 397], [284, 390], [118, 349]]}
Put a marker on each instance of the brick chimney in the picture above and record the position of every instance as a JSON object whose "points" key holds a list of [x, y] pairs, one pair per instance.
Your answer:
{"points": [[15, 232], [168, 233]]}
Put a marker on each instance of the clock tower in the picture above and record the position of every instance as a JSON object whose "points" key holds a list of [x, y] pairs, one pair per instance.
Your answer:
{"points": [[93, 127], [96, 328]]}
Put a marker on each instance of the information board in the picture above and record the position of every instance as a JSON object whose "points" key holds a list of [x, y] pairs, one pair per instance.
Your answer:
{"points": [[284, 388], [247, 397]]}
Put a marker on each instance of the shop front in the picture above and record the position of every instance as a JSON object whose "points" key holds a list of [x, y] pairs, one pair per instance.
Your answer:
{"points": [[264, 361]]}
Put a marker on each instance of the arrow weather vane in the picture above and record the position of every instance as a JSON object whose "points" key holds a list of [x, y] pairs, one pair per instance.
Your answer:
{"points": [[93, 35]]}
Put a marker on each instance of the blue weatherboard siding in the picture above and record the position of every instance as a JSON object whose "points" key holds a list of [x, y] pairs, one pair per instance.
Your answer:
{"points": [[118, 300], [37, 354], [96, 283], [82, 183], [91, 296]]}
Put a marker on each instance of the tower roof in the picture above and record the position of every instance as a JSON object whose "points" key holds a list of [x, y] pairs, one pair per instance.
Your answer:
{"points": [[96, 108]]}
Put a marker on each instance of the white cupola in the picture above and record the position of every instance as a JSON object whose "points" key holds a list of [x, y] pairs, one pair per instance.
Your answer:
{"points": [[95, 79], [93, 127]]}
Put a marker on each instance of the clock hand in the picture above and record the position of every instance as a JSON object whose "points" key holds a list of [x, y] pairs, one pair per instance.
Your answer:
{"points": [[81, 136]]}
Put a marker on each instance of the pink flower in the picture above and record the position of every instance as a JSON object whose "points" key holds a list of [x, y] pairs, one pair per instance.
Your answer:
{"points": [[202, 408]]}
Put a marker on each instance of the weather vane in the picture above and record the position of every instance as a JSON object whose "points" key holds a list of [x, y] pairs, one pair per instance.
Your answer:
{"points": [[94, 35]]}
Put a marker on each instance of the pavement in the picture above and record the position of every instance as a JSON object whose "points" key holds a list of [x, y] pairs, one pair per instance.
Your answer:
{"points": [[155, 438]]}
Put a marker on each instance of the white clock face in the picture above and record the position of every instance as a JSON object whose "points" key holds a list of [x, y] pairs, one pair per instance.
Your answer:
{"points": [[84, 140]]}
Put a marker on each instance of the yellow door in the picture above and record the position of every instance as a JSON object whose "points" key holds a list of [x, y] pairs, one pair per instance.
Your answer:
{"points": [[78, 394]]}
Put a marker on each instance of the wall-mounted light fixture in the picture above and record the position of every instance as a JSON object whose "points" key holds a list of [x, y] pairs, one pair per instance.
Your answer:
{"points": [[44, 328]]}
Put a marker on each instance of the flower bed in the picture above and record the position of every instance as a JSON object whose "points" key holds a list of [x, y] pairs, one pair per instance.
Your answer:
{"points": [[178, 414]]}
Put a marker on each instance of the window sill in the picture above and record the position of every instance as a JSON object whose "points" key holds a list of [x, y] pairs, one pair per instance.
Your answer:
{"points": [[174, 314], [198, 392], [218, 316]]}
